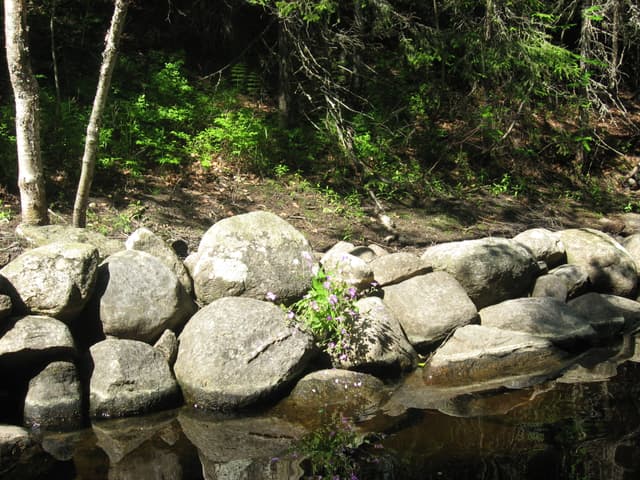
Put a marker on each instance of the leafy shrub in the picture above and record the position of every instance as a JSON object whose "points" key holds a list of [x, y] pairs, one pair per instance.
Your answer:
{"points": [[8, 153], [240, 136]]}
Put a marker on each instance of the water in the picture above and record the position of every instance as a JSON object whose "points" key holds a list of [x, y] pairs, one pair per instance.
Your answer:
{"points": [[585, 425]]}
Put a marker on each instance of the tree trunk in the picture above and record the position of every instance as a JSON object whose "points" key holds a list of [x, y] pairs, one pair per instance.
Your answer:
{"points": [[586, 40], [25, 89], [109, 57], [284, 80], [614, 64]]}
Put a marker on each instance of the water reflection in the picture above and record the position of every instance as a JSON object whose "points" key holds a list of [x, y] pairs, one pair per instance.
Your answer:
{"points": [[583, 425]]}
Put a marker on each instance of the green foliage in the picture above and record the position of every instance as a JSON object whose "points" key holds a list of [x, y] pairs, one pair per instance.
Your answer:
{"points": [[310, 11], [239, 135], [631, 206], [175, 120], [328, 312], [245, 81], [507, 185], [5, 212], [8, 152]]}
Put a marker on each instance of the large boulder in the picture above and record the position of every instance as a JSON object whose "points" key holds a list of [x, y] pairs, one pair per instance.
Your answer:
{"points": [[544, 245], [429, 307], [129, 378], [6, 306], [544, 317], [353, 394], [489, 269], [398, 267], [140, 297], [377, 343], [575, 279], [33, 339], [632, 245], [237, 351], [550, 286], [608, 314], [38, 236], [251, 255], [54, 280], [477, 353], [610, 267], [145, 240], [347, 268], [54, 398]]}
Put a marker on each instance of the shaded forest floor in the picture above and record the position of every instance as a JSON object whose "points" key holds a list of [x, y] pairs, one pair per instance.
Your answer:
{"points": [[183, 205]]}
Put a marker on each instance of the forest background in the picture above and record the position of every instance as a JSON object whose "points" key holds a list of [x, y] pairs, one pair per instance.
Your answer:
{"points": [[463, 115]]}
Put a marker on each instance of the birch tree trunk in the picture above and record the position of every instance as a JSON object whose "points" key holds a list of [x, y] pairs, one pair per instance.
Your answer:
{"points": [[109, 57], [33, 202]]}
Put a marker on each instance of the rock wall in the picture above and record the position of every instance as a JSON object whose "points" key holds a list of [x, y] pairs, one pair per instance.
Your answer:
{"points": [[143, 331]]}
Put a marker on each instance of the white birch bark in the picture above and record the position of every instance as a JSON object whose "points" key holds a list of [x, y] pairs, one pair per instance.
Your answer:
{"points": [[109, 57], [25, 89]]}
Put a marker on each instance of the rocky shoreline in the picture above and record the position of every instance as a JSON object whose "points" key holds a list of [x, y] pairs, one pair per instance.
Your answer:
{"points": [[91, 328]]}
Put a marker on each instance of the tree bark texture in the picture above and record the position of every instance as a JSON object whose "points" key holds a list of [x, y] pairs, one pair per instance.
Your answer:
{"points": [[109, 57], [25, 89]]}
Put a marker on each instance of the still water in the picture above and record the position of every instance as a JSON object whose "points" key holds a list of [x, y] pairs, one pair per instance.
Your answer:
{"points": [[584, 425]]}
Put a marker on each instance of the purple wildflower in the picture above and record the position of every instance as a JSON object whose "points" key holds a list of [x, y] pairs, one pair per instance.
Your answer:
{"points": [[333, 299], [352, 292]]}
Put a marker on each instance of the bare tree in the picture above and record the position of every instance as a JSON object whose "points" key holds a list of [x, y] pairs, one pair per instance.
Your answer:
{"points": [[109, 57], [25, 90]]}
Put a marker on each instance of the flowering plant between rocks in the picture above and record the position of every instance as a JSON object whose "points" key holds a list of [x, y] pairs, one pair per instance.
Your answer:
{"points": [[328, 311]]}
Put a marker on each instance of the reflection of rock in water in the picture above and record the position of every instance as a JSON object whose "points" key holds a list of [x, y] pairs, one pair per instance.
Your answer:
{"points": [[120, 437], [238, 448], [149, 462], [562, 430]]}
